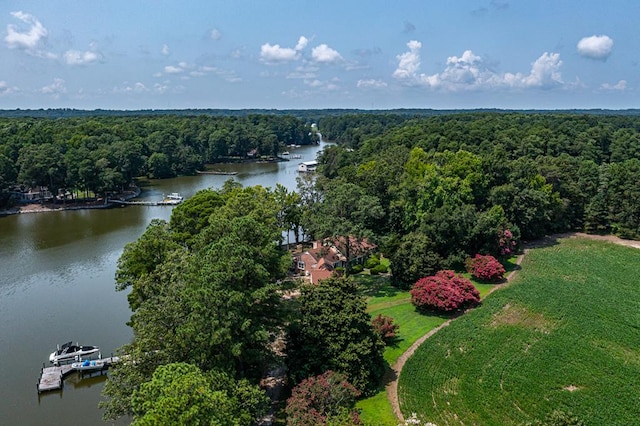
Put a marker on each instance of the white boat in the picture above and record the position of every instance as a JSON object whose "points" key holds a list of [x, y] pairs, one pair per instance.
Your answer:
{"points": [[69, 351], [173, 198], [89, 365]]}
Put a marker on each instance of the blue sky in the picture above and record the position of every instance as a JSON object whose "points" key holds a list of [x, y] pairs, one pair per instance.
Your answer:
{"points": [[375, 54]]}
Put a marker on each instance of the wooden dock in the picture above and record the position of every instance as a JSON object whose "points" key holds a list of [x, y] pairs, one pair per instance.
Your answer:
{"points": [[145, 203], [52, 378]]}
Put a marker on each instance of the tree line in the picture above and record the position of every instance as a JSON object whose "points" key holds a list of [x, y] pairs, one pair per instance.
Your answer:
{"points": [[449, 186], [104, 154]]}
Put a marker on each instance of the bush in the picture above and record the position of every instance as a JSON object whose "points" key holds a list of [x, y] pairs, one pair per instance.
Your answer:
{"points": [[445, 291], [380, 269], [372, 262], [322, 400], [356, 269], [485, 268], [386, 329]]}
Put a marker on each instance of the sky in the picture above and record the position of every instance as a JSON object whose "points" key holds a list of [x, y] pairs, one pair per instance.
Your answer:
{"points": [[275, 54]]}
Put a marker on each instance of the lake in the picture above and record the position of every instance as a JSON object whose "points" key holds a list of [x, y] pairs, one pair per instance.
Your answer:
{"points": [[57, 285]]}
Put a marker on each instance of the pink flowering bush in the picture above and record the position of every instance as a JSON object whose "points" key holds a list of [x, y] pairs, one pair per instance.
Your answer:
{"points": [[485, 268], [507, 243], [386, 329], [321, 400], [445, 291]]}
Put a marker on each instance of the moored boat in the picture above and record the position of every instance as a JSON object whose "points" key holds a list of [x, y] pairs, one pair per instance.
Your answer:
{"points": [[89, 365], [173, 198], [69, 351]]}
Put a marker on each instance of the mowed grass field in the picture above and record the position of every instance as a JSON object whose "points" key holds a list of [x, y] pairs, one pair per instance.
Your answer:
{"points": [[564, 335], [382, 298]]}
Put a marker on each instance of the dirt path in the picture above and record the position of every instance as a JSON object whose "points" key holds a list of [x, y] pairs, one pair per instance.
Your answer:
{"points": [[394, 373]]}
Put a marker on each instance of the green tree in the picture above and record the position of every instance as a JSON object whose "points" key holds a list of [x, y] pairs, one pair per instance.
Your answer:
{"points": [[182, 394], [333, 331], [347, 215]]}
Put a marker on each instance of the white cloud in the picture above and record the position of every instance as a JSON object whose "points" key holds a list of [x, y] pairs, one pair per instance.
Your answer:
{"points": [[215, 34], [468, 72], [408, 62], [55, 89], [371, 83], [545, 71], [595, 47], [171, 69], [165, 50], [27, 39], [620, 85], [325, 54], [302, 43], [6, 89], [76, 57], [274, 53]]}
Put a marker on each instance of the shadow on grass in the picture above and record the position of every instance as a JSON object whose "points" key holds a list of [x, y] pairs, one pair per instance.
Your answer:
{"points": [[376, 286]]}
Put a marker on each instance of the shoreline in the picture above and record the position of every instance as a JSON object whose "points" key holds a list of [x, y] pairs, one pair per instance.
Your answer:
{"points": [[53, 207]]}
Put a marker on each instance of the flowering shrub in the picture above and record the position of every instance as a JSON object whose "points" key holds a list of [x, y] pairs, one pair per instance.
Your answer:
{"points": [[485, 268], [321, 400], [507, 242], [445, 291], [386, 329]]}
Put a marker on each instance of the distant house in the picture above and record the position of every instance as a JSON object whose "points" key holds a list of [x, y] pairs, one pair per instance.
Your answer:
{"points": [[308, 166], [32, 195], [321, 260]]}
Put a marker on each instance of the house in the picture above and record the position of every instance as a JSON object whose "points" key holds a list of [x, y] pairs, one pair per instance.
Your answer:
{"points": [[321, 260], [33, 195], [308, 166]]}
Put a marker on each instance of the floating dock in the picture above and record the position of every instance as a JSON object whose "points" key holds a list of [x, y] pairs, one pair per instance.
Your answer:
{"points": [[52, 378]]}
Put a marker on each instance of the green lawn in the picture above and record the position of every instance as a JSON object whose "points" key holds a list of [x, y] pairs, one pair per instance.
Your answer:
{"points": [[382, 298], [565, 335]]}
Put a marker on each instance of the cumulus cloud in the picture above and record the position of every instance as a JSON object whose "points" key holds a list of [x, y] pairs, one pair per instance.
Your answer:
{"points": [[408, 62], [302, 43], [29, 37], [274, 53], [620, 85], [55, 89], [469, 72], [595, 47], [26, 38], [325, 54], [76, 57], [371, 84]]}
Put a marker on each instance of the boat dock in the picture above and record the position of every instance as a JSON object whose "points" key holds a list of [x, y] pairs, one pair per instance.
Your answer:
{"points": [[52, 378], [144, 203]]}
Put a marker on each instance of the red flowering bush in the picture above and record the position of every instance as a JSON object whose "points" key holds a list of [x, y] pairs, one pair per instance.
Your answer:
{"points": [[385, 328], [507, 242], [445, 291], [321, 400], [485, 268]]}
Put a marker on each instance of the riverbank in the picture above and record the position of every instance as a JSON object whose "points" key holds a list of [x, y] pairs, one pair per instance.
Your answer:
{"points": [[78, 204], [54, 207]]}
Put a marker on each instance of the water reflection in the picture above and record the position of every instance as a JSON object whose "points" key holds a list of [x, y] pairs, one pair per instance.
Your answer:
{"points": [[57, 284]]}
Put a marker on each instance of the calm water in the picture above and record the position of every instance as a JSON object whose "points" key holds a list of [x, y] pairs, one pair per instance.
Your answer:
{"points": [[57, 284]]}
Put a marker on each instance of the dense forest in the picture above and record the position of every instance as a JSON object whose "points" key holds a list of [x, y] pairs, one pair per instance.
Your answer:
{"points": [[430, 190], [103, 154]]}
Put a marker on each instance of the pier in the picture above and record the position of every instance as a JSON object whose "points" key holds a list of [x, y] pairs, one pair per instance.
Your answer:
{"points": [[52, 378]]}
